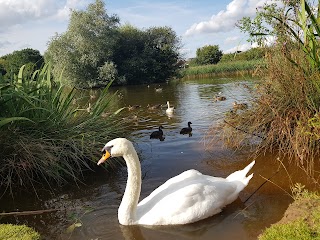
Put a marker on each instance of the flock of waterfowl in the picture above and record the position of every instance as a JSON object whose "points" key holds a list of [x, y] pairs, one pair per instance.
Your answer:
{"points": [[236, 105], [158, 134], [186, 198]]}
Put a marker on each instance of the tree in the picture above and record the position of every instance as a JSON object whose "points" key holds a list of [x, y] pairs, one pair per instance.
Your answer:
{"points": [[85, 48], [147, 56], [209, 54], [31, 58]]}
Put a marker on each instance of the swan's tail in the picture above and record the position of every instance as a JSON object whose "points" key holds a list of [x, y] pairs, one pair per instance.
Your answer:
{"points": [[241, 175]]}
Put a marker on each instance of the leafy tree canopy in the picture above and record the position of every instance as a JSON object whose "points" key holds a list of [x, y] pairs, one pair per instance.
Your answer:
{"points": [[147, 56], [209, 54], [86, 46], [95, 50], [11, 63]]}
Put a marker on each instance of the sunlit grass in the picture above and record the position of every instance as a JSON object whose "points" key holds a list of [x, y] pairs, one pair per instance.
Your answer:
{"points": [[305, 225]]}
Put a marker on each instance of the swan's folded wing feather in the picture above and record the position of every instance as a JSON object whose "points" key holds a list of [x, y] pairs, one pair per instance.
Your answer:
{"points": [[184, 202]]}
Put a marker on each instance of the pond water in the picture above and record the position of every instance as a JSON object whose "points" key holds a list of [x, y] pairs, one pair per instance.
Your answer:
{"points": [[93, 206]]}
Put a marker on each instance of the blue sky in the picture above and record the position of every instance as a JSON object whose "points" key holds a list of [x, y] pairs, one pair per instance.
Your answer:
{"points": [[31, 24]]}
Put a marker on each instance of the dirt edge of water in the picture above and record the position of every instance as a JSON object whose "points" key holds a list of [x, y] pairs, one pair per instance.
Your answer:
{"points": [[297, 210]]}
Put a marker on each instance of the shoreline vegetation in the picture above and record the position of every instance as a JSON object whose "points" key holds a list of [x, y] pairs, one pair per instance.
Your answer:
{"points": [[230, 68], [300, 221], [48, 132]]}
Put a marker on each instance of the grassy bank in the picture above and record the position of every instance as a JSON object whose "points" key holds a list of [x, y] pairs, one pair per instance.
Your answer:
{"points": [[45, 137], [301, 220], [230, 67]]}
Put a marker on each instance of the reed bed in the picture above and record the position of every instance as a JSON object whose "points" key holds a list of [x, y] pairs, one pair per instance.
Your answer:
{"points": [[44, 138], [224, 67], [284, 115]]}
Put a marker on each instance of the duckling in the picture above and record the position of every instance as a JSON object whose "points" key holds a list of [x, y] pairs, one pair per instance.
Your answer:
{"points": [[157, 134], [220, 98], [93, 96], [187, 130], [159, 89], [240, 106], [89, 108], [153, 107], [134, 107]]}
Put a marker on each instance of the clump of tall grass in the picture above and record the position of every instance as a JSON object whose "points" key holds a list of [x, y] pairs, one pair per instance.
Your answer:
{"points": [[285, 111], [224, 67], [44, 137]]}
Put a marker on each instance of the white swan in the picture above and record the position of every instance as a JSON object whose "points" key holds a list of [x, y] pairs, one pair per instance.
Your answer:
{"points": [[185, 198], [169, 109]]}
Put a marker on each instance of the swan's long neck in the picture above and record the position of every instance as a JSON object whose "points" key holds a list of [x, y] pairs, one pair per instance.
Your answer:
{"points": [[168, 104], [128, 206]]}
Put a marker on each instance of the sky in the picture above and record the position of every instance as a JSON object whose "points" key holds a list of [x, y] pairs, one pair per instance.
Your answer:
{"points": [[32, 23]]}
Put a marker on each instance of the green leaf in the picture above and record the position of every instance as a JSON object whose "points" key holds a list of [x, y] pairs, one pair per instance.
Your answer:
{"points": [[4, 121]]}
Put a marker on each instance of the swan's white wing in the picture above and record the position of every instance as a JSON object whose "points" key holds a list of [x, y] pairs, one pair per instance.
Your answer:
{"points": [[186, 198]]}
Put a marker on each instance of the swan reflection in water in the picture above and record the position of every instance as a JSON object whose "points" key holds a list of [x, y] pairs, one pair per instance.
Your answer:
{"points": [[210, 228]]}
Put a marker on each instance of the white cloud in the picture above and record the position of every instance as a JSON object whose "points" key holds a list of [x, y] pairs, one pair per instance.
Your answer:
{"points": [[225, 20], [13, 12]]}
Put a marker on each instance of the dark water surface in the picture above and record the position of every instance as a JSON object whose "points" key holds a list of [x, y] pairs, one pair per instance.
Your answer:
{"points": [[93, 206]]}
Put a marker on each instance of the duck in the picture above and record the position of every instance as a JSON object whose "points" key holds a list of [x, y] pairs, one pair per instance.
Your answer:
{"points": [[169, 109], [186, 198], [157, 134], [134, 107], [187, 130], [220, 98], [159, 89], [153, 107], [240, 106]]}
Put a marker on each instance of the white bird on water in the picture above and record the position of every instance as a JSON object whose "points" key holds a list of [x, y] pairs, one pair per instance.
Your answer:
{"points": [[185, 198], [169, 109]]}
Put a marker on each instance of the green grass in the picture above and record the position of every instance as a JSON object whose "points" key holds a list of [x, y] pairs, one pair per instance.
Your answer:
{"points": [[224, 67], [297, 230], [306, 226], [18, 232], [44, 137]]}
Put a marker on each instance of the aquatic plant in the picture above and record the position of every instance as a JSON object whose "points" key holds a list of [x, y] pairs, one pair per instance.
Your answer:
{"points": [[44, 137]]}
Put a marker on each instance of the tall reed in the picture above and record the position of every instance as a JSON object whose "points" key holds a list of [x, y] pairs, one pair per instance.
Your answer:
{"points": [[284, 117], [44, 137], [224, 67]]}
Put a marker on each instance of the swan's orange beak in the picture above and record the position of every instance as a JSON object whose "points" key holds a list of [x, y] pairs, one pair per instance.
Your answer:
{"points": [[104, 158]]}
